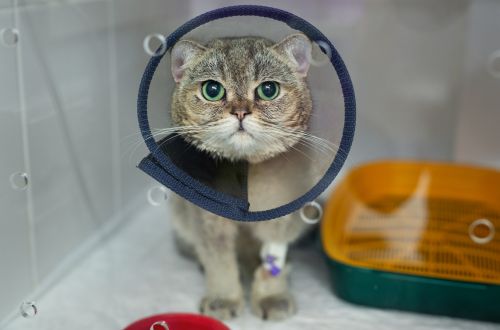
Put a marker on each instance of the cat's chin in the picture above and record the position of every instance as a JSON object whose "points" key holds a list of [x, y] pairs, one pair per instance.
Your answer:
{"points": [[242, 146], [242, 137], [242, 152]]}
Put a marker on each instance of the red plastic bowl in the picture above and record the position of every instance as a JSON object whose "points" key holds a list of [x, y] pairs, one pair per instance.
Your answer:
{"points": [[179, 322]]}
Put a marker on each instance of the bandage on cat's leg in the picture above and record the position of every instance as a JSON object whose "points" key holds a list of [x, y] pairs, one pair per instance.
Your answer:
{"points": [[273, 256]]}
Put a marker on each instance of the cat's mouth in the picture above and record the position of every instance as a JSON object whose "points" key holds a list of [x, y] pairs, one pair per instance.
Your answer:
{"points": [[242, 132], [241, 137]]}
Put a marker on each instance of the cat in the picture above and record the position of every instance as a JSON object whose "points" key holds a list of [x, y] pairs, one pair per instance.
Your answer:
{"points": [[242, 99]]}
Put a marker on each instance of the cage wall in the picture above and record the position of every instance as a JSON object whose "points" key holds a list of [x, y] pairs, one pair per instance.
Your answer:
{"points": [[426, 75]]}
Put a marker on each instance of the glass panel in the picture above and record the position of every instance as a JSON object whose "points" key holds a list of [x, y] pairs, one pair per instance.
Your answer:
{"points": [[16, 236], [87, 241]]}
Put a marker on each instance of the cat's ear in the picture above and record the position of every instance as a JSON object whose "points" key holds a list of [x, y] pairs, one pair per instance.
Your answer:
{"points": [[297, 47], [182, 54]]}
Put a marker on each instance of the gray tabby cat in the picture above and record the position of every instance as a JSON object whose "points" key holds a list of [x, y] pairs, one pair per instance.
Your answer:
{"points": [[242, 99]]}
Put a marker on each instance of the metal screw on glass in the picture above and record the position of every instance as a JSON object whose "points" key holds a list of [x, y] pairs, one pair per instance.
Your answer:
{"points": [[160, 325], [28, 309], [9, 36], [19, 180], [157, 195], [311, 213], [146, 44], [493, 64], [487, 225]]}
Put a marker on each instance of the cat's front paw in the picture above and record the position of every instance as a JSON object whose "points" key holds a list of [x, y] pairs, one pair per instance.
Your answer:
{"points": [[275, 307], [221, 308], [271, 299]]}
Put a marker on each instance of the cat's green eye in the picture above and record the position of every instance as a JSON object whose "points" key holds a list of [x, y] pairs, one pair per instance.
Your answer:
{"points": [[268, 90], [212, 90]]}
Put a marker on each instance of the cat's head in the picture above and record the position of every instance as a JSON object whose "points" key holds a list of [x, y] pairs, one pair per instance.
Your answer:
{"points": [[242, 98]]}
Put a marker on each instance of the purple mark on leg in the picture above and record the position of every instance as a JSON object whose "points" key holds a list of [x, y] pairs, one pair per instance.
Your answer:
{"points": [[273, 268]]}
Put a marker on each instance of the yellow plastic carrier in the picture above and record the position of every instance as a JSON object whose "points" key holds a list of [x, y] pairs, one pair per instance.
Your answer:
{"points": [[417, 236]]}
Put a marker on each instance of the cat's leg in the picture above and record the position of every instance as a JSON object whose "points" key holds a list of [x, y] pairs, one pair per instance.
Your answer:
{"points": [[271, 298], [248, 248], [216, 250], [183, 217]]}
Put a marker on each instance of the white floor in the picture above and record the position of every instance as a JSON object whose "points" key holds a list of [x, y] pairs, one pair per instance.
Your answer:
{"points": [[137, 273]]}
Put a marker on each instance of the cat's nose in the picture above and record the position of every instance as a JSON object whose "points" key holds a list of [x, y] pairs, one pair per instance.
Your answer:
{"points": [[240, 113]]}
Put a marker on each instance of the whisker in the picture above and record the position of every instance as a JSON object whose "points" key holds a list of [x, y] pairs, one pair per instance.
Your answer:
{"points": [[158, 132], [308, 139]]}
